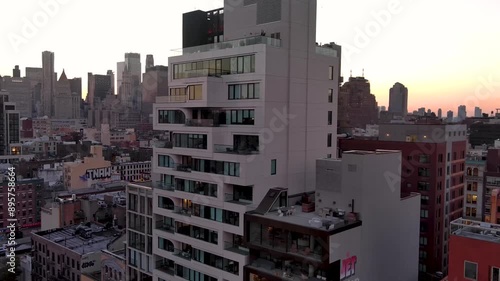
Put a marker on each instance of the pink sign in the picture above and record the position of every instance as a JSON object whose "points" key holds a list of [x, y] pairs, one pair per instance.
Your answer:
{"points": [[348, 267]]}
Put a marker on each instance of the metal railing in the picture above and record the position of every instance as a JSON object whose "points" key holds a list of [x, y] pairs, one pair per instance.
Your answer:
{"points": [[248, 41], [230, 149], [202, 123], [160, 225]]}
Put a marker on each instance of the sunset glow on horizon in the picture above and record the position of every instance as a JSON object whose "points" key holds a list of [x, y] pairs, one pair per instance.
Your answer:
{"points": [[444, 52]]}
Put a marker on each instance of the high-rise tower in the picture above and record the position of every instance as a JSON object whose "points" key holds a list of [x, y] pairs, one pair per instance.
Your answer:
{"points": [[398, 99], [48, 84]]}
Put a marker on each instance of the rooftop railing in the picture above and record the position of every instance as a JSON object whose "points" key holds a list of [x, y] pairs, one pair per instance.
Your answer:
{"points": [[248, 41]]}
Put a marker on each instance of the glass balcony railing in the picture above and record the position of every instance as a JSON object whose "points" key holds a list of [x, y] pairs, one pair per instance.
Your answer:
{"points": [[230, 149], [164, 186], [163, 144], [325, 51], [160, 225], [248, 41], [185, 254], [202, 123]]}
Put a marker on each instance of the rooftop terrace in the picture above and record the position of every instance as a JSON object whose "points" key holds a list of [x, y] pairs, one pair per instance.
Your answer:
{"points": [[476, 230], [66, 238]]}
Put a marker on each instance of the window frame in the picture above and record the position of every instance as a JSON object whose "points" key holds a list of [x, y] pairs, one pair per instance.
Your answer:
{"points": [[476, 265], [274, 166]]}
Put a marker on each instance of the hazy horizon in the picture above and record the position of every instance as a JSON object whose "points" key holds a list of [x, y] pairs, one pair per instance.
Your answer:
{"points": [[445, 52]]}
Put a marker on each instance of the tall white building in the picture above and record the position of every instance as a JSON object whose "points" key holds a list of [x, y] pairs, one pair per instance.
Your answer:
{"points": [[242, 116]]}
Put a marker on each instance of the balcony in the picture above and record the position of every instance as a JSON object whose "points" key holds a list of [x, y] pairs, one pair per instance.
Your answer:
{"points": [[249, 41], [230, 149], [172, 99], [166, 266], [286, 270], [325, 51], [232, 198], [185, 254], [182, 211], [236, 248], [163, 144], [164, 186], [183, 168], [161, 225], [202, 123]]}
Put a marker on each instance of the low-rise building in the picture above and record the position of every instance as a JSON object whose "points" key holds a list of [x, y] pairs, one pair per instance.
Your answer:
{"points": [[27, 206], [347, 236], [67, 253], [474, 248], [475, 165]]}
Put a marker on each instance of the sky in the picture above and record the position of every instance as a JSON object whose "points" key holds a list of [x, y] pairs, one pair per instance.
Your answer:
{"points": [[446, 52]]}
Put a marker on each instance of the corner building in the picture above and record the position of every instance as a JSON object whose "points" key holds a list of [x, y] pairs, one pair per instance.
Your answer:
{"points": [[244, 115]]}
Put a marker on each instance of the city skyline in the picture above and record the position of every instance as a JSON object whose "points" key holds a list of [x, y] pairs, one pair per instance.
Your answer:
{"points": [[381, 38]]}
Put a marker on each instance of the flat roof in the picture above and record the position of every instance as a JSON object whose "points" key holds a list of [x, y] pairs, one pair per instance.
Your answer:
{"points": [[303, 219], [476, 230], [65, 238]]}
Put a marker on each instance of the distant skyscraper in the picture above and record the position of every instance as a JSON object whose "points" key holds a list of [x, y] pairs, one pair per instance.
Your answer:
{"points": [[9, 118], [66, 103], [120, 67], [440, 113], [382, 108], [76, 86], [48, 84], [398, 99], [478, 112], [35, 75], [421, 111], [16, 72], [154, 83], [429, 112], [462, 112], [99, 87], [449, 116], [112, 75], [357, 106], [20, 92], [133, 64], [150, 62]]}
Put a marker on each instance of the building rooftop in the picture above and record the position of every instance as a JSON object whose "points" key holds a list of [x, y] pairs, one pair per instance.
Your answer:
{"points": [[476, 230], [82, 242], [311, 220]]}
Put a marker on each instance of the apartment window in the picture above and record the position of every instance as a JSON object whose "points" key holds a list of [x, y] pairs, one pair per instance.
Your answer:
{"points": [[244, 91], [171, 117], [470, 270], [423, 254], [240, 117], [423, 186], [448, 157], [424, 158], [470, 212], [196, 141], [424, 172], [424, 200], [165, 161], [330, 72], [495, 274], [422, 267], [440, 158], [216, 167], [423, 241], [424, 214], [273, 167], [330, 95], [440, 172], [215, 67], [329, 140], [471, 198], [328, 156], [195, 92]]}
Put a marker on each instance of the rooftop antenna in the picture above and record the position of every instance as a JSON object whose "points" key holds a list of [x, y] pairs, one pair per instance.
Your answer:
{"points": [[351, 73], [363, 73]]}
